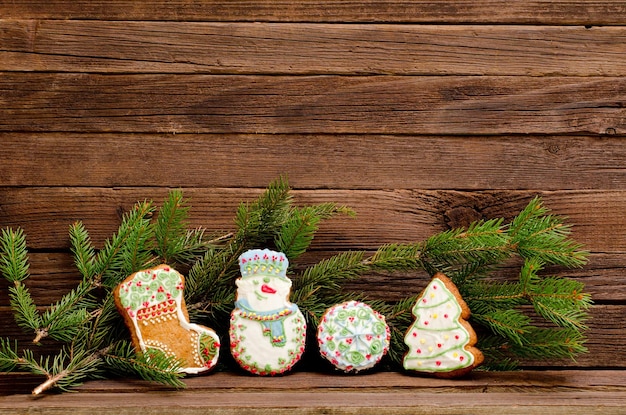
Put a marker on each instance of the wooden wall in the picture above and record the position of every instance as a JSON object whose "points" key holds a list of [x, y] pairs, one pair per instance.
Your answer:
{"points": [[420, 115]]}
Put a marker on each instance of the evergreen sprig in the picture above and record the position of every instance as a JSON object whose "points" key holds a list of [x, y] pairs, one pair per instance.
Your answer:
{"points": [[86, 320], [529, 317], [272, 220]]}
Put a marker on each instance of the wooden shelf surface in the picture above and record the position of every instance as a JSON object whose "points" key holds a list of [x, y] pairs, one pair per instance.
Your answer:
{"points": [[523, 392]]}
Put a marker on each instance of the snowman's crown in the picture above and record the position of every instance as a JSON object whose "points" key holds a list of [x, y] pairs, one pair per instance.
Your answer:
{"points": [[263, 262]]}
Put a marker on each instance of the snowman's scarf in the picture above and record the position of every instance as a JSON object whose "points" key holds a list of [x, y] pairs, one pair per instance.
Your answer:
{"points": [[272, 321]]}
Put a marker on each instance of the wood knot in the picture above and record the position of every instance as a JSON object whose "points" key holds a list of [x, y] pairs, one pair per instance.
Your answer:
{"points": [[461, 216]]}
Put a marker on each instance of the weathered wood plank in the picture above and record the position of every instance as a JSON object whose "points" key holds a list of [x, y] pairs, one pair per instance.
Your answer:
{"points": [[478, 381], [580, 12], [312, 104], [481, 393], [335, 402], [314, 161], [382, 216], [244, 48]]}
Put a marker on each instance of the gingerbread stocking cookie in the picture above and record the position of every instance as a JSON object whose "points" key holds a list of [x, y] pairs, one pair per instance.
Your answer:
{"points": [[152, 304], [267, 332]]}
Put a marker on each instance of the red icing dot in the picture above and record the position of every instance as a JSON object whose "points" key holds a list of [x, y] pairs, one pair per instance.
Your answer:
{"points": [[438, 363], [445, 316], [414, 334], [456, 337], [439, 345], [424, 300], [461, 358], [426, 323], [434, 287], [419, 351]]}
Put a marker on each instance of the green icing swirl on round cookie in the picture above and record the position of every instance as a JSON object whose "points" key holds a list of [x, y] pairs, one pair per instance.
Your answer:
{"points": [[352, 336]]}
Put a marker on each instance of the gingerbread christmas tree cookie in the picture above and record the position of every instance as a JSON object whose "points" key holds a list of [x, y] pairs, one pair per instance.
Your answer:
{"points": [[152, 304], [353, 336], [267, 332], [441, 340]]}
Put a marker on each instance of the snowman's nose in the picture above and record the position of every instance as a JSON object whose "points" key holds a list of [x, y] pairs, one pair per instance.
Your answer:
{"points": [[267, 289]]}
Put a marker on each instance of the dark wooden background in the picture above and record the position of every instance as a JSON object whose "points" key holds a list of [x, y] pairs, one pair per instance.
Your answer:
{"points": [[420, 115]]}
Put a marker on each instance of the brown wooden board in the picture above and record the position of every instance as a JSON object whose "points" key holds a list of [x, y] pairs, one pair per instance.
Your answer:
{"points": [[559, 392], [299, 48], [383, 216], [312, 104], [580, 12], [532, 162]]}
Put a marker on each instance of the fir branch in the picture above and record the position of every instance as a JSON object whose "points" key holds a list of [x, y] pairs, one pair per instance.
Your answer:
{"points": [[496, 295], [497, 353], [562, 302], [260, 222], [24, 309], [66, 319], [171, 226], [537, 234], [331, 272], [136, 251], [174, 243], [9, 358], [397, 257], [300, 225], [155, 366], [83, 251], [13, 256], [109, 264], [399, 318], [105, 326], [70, 369], [14, 267], [511, 324], [548, 343], [483, 242], [210, 274]]}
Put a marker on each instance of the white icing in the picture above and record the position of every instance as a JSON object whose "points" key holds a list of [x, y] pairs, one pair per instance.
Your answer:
{"points": [[352, 336], [436, 339], [267, 332], [254, 351], [251, 289]]}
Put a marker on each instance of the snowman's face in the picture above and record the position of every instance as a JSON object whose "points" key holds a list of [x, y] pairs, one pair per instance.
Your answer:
{"points": [[264, 293]]}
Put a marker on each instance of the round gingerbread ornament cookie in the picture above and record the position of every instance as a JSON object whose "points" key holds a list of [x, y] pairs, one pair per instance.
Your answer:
{"points": [[353, 336], [267, 332]]}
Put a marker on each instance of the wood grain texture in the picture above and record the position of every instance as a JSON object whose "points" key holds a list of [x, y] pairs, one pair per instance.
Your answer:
{"points": [[314, 161], [595, 392], [562, 12], [383, 216], [422, 116], [314, 104], [298, 48]]}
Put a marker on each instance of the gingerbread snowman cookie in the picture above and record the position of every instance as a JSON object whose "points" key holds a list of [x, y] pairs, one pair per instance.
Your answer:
{"points": [[267, 331], [152, 304]]}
